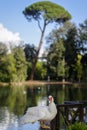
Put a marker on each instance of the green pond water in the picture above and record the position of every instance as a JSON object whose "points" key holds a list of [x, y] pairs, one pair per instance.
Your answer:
{"points": [[14, 101]]}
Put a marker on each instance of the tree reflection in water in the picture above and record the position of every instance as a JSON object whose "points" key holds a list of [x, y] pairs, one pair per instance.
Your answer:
{"points": [[7, 119], [17, 100]]}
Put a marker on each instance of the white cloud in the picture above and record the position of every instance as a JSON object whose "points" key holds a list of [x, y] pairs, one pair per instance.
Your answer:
{"points": [[8, 36]]}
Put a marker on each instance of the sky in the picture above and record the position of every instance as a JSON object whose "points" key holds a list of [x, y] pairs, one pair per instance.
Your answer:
{"points": [[14, 26]]}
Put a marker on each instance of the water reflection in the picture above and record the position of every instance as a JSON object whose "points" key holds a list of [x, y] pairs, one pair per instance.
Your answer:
{"points": [[7, 119], [17, 100], [14, 100]]}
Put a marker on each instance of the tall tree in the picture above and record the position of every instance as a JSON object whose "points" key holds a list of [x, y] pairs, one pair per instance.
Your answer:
{"points": [[66, 38], [47, 12], [3, 67], [20, 64], [83, 37], [84, 64], [55, 56], [71, 50]]}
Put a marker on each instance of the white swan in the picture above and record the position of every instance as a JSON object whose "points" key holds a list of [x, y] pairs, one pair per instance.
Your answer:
{"points": [[40, 113]]}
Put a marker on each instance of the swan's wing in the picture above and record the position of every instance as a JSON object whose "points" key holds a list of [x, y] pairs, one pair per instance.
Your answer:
{"points": [[35, 113]]}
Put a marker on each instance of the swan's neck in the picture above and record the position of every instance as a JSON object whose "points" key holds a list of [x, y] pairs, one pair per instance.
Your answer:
{"points": [[52, 107]]}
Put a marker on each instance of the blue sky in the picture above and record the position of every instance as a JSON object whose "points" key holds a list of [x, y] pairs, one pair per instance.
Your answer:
{"points": [[13, 24]]}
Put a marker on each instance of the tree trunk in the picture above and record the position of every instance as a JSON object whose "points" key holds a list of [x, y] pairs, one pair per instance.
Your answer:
{"points": [[39, 48]]}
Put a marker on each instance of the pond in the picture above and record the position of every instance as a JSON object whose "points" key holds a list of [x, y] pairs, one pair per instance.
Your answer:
{"points": [[14, 100]]}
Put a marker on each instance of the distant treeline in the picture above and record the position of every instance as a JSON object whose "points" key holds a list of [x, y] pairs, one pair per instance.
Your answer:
{"points": [[65, 57]]}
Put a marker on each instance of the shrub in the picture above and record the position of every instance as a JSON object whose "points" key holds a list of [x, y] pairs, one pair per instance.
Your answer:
{"points": [[78, 126]]}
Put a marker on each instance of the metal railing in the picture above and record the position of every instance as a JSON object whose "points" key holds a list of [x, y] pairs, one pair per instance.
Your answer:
{"points": [[69, 113]]}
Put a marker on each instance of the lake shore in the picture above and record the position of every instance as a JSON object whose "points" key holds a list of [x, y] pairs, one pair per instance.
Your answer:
{"points": [[33, 82], [38, 82]]}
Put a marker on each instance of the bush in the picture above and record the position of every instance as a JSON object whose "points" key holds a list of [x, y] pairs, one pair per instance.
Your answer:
{"points": [[78, 126]]}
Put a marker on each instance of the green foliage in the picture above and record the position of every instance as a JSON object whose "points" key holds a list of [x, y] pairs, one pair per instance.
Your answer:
{"points": [[3, 50], [78, 126], [13, 65], [78, 66], [56, 61], [63, 46], [7, 68], [10, 67], [20, 64], [84, 65], [30, 52], [71, 45], [29, 68], [83, 36], [48, 10], [40, 72], [61, 68], [3, 64]]}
